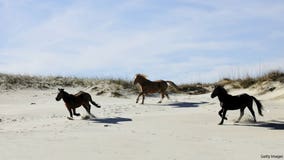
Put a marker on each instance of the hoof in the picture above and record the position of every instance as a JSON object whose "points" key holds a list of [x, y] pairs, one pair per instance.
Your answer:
{"points": [[77, 114], [225, 118], [70, 118], [220, 123], [93, 116]]}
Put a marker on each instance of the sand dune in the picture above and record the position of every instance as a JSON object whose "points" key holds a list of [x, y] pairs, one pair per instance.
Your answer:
{"points": [[34, 126]]}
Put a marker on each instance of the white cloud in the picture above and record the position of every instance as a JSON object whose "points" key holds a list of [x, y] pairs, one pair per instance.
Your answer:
{"points": [[82, 37]]}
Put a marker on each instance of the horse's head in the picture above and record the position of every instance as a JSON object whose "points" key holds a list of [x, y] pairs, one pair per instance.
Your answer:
{"points": [[139, 78], [60, 94], [219, 90]]}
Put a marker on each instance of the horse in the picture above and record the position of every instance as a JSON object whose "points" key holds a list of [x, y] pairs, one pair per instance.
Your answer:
{"points": [[74, 101], [147, 86], [229, 102]]}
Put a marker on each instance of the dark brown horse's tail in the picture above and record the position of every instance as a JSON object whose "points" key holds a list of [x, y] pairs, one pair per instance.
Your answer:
{"points": [[259, 105], [94, 103], [173, 85]]}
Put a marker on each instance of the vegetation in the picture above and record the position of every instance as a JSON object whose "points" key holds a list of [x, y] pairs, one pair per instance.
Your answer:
{"points": [[275, 76], [118, 87], [195, 88]]}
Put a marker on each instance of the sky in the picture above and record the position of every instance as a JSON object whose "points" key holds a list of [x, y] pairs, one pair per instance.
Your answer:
{"points": [[180, 40]]}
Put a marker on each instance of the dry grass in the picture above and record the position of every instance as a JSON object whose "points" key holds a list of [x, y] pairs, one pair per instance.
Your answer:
{"points": [[9, 81], [273, 76], [195, 88], [13, 82], [249, 81], [117, 87]]}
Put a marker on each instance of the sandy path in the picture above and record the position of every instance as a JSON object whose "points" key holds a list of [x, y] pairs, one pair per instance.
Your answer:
{"points": [[34, 126]]}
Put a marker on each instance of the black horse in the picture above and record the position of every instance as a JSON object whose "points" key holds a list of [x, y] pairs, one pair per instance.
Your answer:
{"points": [[229, 102], [74, 101]]}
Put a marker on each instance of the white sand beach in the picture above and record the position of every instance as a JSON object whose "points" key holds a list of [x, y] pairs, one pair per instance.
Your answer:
{"points": [[34, 126]]}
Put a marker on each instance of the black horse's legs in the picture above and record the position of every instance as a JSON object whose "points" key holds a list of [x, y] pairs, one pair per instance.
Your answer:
{"points": [[138, 97], [143, 97], [220, 113], [74, 112], [241, 115], [223, 117], [252, 112], [70, 112], [88, 109]]}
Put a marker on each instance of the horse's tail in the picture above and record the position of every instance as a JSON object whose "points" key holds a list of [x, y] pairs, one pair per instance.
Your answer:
{"points": [[259, 105], [94, 103], [173, 85]]}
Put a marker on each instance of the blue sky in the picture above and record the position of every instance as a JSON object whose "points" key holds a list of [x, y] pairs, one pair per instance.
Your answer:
{"points": [[181, 40]]}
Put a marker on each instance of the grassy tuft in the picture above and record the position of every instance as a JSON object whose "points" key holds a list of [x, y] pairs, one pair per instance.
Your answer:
{"points": [[195, 88], [247, 82], [274, 76]]}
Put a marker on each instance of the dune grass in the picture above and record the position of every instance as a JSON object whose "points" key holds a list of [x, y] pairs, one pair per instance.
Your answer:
{"points": [[16, 81], [248, 81], [10, 81], [116, 86]]}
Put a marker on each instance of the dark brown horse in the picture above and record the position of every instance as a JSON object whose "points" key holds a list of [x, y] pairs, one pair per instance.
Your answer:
{"points": [[229, 102], [148, 86], [74, 101]]}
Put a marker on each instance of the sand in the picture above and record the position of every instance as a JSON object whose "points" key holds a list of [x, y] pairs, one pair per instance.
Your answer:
{"points": [[34, 126]]}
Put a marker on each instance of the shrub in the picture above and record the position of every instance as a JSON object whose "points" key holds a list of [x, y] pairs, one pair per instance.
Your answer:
{"points": [[273, 76], [247, 82]]}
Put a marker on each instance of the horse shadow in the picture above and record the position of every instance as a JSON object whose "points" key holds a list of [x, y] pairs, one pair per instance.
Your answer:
{"points": [[186, 104], [115, 120], [272, 125]]}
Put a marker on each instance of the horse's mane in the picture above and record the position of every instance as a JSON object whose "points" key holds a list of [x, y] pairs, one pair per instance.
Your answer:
{"points": [[141, 75], [222, 89]]}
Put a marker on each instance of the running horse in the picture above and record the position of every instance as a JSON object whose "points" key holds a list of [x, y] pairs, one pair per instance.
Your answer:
{"points": [[74, 101], [229, 102], [148, 86]]}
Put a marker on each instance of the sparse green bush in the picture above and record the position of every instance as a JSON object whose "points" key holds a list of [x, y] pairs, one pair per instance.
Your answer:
{"points": [[195, 88], [247, 82], [273, 76], [124, 83]]}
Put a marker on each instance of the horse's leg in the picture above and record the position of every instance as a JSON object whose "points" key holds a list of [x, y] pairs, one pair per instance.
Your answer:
{"points": [[220, 112], [137, 100], [74, 112], [143, 97], [223, 116], [167, 95], [252, 112], [88, 109], [241, 115], [162, 97], [70, 112]]}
